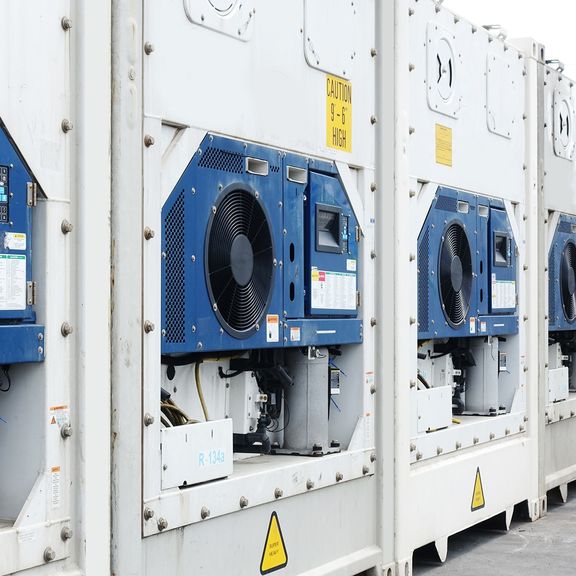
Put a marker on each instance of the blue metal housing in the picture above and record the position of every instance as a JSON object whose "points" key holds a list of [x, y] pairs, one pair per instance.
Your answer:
{"points": [[565, 232], [21, 339], [288, 187], [492, 307]]}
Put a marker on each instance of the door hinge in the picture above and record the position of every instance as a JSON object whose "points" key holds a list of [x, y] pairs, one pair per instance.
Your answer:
{"points": [[31, 193], [31, 293]]}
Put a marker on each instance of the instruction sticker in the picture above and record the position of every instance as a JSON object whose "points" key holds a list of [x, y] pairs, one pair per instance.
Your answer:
{"points": [[294, 333], [333, 290], [274, 556], [12, 282], [478, 500], [472, 325], [443, 145], [55, 484], [503, 293], [59, 415], [272, 328], [338, 114], [14, 241]]}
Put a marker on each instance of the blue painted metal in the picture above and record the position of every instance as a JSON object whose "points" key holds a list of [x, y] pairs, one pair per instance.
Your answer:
{"points": [[565, 232], [189, 323], [482, 219], [21, 339]]}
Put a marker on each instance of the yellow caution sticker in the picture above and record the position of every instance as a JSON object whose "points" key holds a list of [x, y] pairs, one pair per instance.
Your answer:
{"points": [[274, 556], [478, 500], [443, 145], [338, 113]]}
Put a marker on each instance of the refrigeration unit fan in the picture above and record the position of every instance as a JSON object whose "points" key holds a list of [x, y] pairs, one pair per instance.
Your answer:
{"points": [[562, 276], [259, 250]]}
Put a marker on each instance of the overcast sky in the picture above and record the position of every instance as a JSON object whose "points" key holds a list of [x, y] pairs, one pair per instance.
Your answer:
{"points": [[550, 22]]}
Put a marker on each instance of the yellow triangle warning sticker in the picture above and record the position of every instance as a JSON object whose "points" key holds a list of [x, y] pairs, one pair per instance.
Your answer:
{"points": [[53, 421], [274, 556], [478, 500]]}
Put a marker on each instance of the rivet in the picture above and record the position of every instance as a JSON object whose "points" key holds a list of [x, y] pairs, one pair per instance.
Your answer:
{"points": [[309, 484], [66, 125], [439, 450], [148, 140], [492, 435], [66, 227], [148, 326], [148, 514], [204, 513], [148, 419], [458, 445], [373, 322], [339, 476], [66, 23], [162, 524], [243, 502], [373, 52], [49, 554], [373, 457], [418, 455], [148, 48], [365, 469], [66, 533], [476, 440], [373, 187], [278, 493], [148, 233], [373, 119], [66, 329]]}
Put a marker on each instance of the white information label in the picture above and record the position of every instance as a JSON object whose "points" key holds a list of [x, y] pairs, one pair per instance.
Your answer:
{"points": [[14, 241], [503, 294], [351, 265], [12, 282], [55, 483], [272, 328], [295, 334], [333, 290]]}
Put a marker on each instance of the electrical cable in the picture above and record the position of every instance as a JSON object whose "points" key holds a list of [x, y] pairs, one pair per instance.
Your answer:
{"points": [[423, 380], [200, 392]]}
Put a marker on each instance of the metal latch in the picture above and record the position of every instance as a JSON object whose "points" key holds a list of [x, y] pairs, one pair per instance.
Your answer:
{"points": [[31, 293], [31, 193]]}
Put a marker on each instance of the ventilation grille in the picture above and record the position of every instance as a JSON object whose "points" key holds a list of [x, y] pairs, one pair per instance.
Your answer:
{"points": [[552, 287], [175, 280], [447, 204], [223, 160], [423, 278]]}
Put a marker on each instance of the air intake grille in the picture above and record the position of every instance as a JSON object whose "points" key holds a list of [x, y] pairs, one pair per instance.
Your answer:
{"points": [[423, 276], [175, 280], [447, 204], [223, 160]]}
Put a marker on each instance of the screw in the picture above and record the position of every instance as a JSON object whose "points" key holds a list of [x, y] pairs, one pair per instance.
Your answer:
{"points": [[339, 476], [66, 227], [372, 322], [412, 447], [365, 469], [66, 125], [148, 140], [243, 502], [439, 450], [162, 524], [66, 329], [148, 48], [373, 457], [66, 533], [418, 455], [373, 119], [373, 254], [66, 23], [148, 326], [204, 513], [373, 187], [373, 389], [49, 554], [66, 431], [476, 440], [148, 233], [278, 493], [309, 485], [492, 435], [458, 445], [148, 419], [148, 514], [373, 52]]}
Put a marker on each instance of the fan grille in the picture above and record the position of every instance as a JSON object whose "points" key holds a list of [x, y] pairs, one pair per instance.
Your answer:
{"points": [[239, 262], [455, 271], [568, 281]]}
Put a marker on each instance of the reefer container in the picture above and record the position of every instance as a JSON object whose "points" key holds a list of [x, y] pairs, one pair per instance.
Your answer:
{"points": [[54, 296], [465, 261], [243, 364], [554, 93]]}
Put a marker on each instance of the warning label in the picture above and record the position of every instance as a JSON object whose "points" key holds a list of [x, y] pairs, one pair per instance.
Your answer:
{"points": [[55, 484], [503, 293], [14, 241], [478, 501], [443, 145], [333, 290], [274, 556], [338, 114], [12, 282], [272, 328]]}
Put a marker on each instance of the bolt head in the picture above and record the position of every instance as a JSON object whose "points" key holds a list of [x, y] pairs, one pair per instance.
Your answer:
{"points": [[66, 329], [66, 125], [148, 419], [148, 233], [149, 141], [66, 23], [204, 513], [243, 502], [149, 326], [278, 493], [162, 524], [66, 431], [49, 554], [66, 227], [309, 484], [339, 476], [66, 533], [148, 48], [148, 513]]}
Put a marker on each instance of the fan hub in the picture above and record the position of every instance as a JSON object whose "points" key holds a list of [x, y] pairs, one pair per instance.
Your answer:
{"points": [[242, 260], [456, 273]]}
